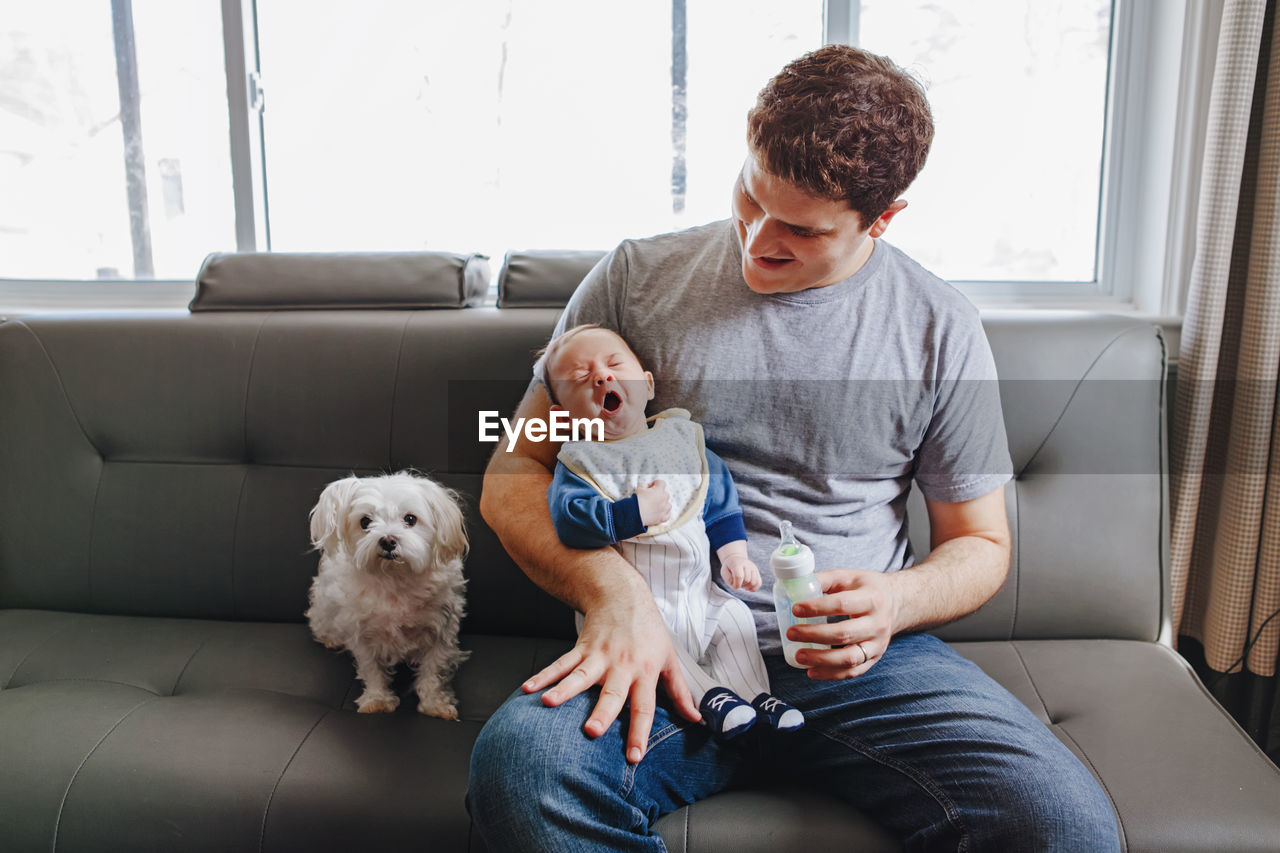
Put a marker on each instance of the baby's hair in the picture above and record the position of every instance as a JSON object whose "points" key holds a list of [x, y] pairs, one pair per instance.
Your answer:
{"points": [[553, 346]]}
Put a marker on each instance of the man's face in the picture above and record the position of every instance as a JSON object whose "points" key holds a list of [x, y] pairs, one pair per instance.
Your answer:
{"points": [[793, 241], [595, 375]]}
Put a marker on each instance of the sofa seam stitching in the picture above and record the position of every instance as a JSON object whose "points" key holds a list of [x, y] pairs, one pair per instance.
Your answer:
{"points": [[62, 804], [1226, 716], [85, 680], [395, 387], [245, 460], [1062, 728], [173, 691], [93, 531], [235, 538], [248, 387], [1017, 557], [84, 433], [61, 629], [1074, 391], [266, 812], [1124, 836], [1030, 680], [62, 387]]}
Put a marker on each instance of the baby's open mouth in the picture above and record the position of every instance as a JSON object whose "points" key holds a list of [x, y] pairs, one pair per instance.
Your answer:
{"points": [[611, 402]]}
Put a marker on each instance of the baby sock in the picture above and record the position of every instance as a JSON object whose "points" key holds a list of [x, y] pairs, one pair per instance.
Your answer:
{"points": [[778, 714], [725, 713]]}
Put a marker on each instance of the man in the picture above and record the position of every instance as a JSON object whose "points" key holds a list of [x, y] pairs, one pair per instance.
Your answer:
{"points": [[830, 372]]}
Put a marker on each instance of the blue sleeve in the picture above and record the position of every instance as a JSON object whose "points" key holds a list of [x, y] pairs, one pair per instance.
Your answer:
{"points": [[584, 519], [721, 512]]}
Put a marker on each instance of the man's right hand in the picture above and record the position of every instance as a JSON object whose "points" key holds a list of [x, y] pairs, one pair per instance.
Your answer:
{"points": [[625, 647]]}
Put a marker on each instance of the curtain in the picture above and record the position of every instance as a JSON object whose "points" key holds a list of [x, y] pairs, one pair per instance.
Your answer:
{"points": [[1225, 437]]}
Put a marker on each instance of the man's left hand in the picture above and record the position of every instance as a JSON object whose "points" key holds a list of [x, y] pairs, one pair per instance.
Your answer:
{"points": [[869, 600]]}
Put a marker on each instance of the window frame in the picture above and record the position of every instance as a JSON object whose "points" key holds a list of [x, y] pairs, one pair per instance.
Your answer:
{"points": [[1161, 66]]}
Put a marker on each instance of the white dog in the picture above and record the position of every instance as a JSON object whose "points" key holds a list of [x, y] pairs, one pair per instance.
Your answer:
{"points": [[390, 585]]}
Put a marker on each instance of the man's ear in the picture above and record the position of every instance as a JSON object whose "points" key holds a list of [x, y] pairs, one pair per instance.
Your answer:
{"points": [[882, 222]]}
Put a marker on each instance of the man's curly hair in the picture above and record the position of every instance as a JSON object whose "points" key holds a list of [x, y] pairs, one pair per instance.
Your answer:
{"points": [[845, 125]]}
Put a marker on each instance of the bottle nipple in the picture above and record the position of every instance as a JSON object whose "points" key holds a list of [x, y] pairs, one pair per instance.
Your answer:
{"points": [[788, 547]]}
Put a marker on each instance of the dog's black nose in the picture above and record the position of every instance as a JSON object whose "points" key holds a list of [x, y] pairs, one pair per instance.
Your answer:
{"points": [[387, 544]]}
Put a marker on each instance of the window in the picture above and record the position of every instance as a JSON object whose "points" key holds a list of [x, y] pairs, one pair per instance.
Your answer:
{"points": [[525, 124], [1019, 96], [113, 140], [407, 124]]}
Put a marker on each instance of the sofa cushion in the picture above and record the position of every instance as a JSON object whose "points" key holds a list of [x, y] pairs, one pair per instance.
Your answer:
{"points": [[263, 281], [163, 733], [542, 279], [1132, 711]]}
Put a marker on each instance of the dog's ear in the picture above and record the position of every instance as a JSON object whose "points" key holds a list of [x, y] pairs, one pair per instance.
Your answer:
{"points": [[450, 540], [329, 513]]}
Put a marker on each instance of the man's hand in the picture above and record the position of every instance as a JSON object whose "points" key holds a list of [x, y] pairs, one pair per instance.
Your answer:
{"points": [[869, 600], [655, 505], [736, 567], [968, 563], [625, 647]]}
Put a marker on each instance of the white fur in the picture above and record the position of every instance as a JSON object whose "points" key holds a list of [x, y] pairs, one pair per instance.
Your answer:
{"points": [[390, 606]]}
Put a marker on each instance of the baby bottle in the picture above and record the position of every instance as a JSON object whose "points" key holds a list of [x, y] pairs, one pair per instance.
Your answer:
{"points": [[792, 565]]}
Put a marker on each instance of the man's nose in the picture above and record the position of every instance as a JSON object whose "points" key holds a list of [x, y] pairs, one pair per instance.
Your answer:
{"points": [[761, 236]]}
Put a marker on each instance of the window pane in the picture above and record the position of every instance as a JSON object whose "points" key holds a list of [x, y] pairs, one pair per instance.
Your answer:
{"points": [[527, 124], [1018, 89], [64, 206]]}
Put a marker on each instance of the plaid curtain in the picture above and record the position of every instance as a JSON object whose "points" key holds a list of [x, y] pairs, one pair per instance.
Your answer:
{"points": [[1225, 548]]}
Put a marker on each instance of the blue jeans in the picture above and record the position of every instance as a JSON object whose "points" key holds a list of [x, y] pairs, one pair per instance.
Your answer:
{"points": [[925, 743]]}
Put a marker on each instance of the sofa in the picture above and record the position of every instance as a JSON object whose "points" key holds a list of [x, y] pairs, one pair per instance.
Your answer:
{"points": [[159, 689]]}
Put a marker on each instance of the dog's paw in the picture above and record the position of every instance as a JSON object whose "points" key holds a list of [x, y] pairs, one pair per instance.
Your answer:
{"points": [[377, 704], [443, 710]]}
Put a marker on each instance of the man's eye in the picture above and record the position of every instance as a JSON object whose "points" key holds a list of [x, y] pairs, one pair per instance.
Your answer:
{"points": [[410, 520], [365, 522]]}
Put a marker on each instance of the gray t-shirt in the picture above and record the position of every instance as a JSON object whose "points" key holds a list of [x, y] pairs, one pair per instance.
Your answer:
{"points": [[825, 404]]}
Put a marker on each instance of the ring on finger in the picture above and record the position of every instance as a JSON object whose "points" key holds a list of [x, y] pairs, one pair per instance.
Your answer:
{"points": [[865, 657]]}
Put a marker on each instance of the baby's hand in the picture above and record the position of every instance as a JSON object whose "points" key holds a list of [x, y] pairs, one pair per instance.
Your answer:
{"points": [[655, 506], [740, 573]]}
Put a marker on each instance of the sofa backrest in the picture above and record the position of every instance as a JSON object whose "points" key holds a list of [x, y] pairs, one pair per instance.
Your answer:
{"points": [[163, 463]]}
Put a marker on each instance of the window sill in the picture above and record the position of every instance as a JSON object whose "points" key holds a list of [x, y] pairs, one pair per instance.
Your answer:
{"points": [[42, 297]]}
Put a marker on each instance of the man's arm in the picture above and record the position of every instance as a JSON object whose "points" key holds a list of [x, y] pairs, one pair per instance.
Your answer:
{"points": [[968, 563], [623, 645]]}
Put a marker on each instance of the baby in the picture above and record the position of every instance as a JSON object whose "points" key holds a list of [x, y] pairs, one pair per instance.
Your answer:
{"points": [[664, 501]]}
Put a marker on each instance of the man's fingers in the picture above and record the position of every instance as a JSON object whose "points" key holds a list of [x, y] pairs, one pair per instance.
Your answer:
{"points": [[642, 705], [848, 603], [842, 633], [613, 695], [581, 677], [678, 693], [837, 579], [557, 670]]}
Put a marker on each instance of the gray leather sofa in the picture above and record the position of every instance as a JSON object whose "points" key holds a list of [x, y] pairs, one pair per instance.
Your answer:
{"points": [[159, 691]]}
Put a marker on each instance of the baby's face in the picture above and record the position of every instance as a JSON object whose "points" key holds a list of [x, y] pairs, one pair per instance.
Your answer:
{"points": [[595, 375]]}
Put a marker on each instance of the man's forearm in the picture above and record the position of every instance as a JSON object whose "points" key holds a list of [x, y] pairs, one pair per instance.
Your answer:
{"points": [[513, 503], [957, 578]]}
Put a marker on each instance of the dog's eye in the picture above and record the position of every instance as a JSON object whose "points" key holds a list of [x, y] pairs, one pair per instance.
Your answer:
{"points": [[410, 519], [365, 522]]}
